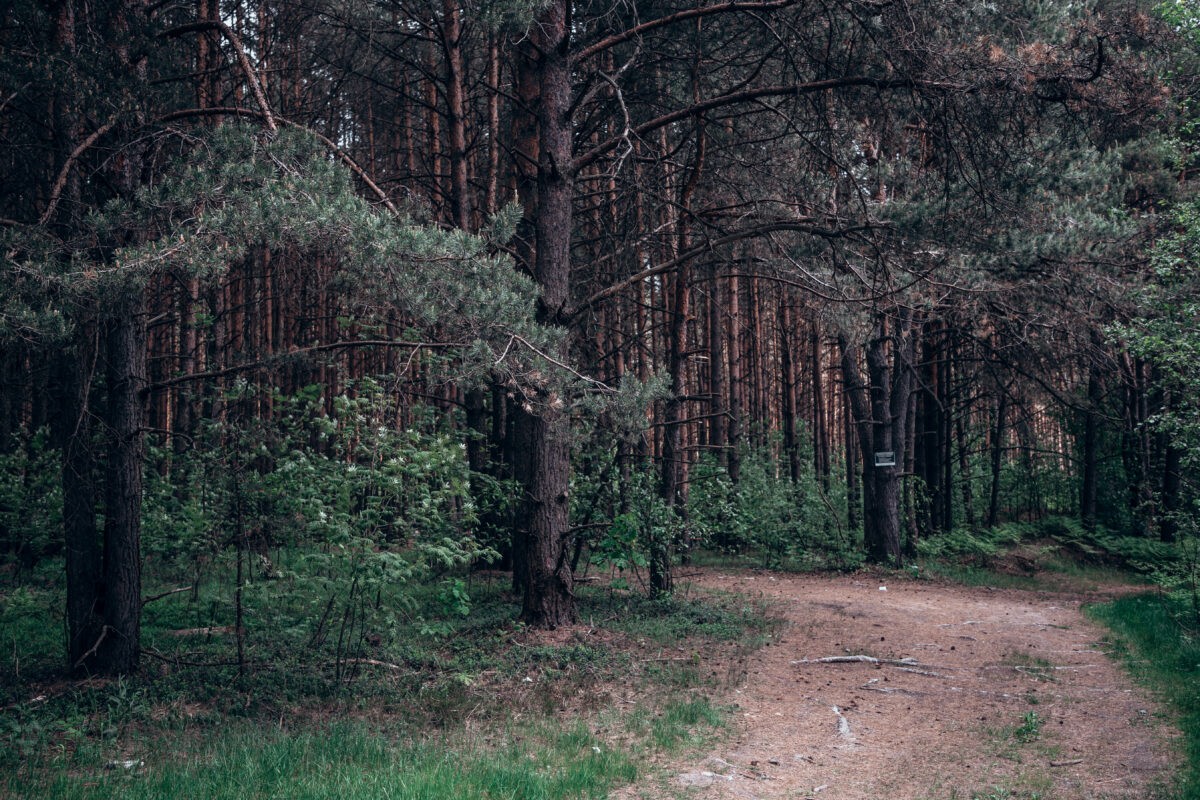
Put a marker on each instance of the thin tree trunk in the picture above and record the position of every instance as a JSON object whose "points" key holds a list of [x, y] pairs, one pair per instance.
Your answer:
{"points": [[998, 431], [717, 438], [735, 380], [788, 389], [1091, 425]]}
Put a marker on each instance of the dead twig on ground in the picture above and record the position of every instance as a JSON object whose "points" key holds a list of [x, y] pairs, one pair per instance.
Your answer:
{"points": [[897, 662]]}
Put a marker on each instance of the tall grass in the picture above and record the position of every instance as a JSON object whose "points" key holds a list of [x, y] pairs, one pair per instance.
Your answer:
{"points": [[1165, 657]]}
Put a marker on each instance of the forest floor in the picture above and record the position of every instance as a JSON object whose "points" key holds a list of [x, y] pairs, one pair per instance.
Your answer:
{"points": [[978, 694]]}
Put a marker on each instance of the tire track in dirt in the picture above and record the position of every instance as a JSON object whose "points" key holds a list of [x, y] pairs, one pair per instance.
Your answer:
{"points": [[979, 692]]}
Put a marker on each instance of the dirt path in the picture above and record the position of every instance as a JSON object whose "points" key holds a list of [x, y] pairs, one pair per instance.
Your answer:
{"points": [[988, 693]]}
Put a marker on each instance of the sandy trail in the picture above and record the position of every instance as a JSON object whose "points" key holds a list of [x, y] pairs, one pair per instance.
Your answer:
{"points": [[971, 667]]}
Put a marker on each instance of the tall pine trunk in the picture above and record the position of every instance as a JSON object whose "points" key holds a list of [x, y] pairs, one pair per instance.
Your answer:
{"points": [[543, 432], [120, 648]]}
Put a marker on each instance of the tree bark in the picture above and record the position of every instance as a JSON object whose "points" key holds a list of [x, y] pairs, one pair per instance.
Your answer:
{"points": [[120, 649], [1088, 493], [880, 410], [543, 433], [85, 623], [998, 431]]}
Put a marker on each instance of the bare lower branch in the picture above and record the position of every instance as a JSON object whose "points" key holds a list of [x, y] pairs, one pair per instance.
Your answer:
{"points": [[262, 362], [749, 95], [60, 183], [671, 19], [247, 69]]}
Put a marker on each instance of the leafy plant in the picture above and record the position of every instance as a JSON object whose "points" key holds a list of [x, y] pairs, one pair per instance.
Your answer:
{"points": [[30, 497], [1030, 729]]}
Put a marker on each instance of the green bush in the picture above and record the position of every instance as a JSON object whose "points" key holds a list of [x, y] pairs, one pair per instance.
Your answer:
{"points": [[30, 498], [767, 515], [311, 533]]}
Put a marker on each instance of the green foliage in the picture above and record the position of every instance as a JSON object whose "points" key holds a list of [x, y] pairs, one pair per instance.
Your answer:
{"points": [[319, 532], [354, 760], [1030, 729], [1166, 335], [767, 515], [231, 190], [30, 497], [621, 549], [681, 723], [978, 546], [674, 619], [31, 639], [1166, 657], [202, 730]]}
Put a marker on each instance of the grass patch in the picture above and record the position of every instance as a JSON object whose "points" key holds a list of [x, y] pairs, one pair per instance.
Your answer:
{"points": [[346, 760], [1164, 656], [681, 723], [708, 616], [375, 715]]}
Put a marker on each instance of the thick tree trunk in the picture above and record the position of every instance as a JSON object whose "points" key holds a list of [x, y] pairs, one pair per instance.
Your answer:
{"points": [[85, 623], [120, 648], [543, 433], [880, 410], [888, 407]]}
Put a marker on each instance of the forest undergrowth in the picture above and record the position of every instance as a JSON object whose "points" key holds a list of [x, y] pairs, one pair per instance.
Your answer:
{"points": [[444, 704]]}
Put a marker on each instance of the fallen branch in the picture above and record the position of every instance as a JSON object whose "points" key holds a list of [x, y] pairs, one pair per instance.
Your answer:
{"points": [[167, 593], [926, 673], [902, 662], [843, 725], [209, 631], [872, 686], [1068, 763], [372, 662], [150, 651], [103, 634]]}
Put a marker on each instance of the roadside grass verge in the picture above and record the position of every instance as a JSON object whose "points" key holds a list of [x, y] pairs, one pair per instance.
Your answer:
{"points": [[1164, 656], [350, 760], [444, 704]]}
